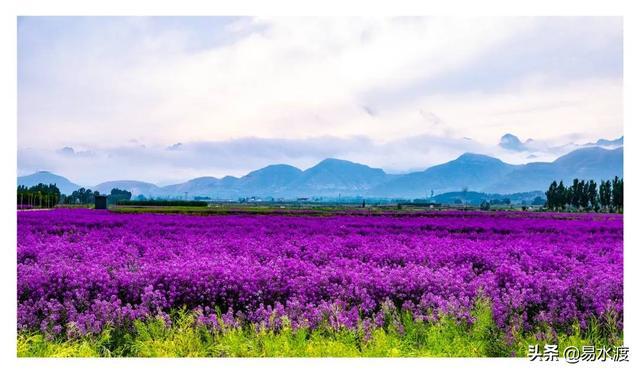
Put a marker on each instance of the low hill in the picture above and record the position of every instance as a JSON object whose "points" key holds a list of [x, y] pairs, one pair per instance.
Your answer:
{"points": [[46, 177], [133, 186]]}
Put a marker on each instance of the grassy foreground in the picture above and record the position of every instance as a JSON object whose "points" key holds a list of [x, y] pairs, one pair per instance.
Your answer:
{"points": [[153, 338]]}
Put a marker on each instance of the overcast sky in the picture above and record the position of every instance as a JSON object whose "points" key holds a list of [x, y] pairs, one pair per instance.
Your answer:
{"points": [[168, 99]]}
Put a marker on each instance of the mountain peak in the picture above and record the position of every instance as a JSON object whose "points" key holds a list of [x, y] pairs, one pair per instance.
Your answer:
{"points": [[605, 142], [202, 179], [343, 166], [475, 157], [46, 177], [328, 161], [280, 166], [335, 162], [275, 168], [333, 176], [589, 155]]}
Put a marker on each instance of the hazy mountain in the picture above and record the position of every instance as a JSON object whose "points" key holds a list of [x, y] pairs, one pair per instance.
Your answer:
{"points": [[547, 150], [197, 186], [587, 163], [471, 171], [328, 178], [227, 187], [272, 180], [133, 186], [604, 142], [46, 177], [333, 177]]}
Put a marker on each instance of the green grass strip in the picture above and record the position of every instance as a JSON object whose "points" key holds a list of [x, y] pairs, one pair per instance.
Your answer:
{"points": [[410, 338]]}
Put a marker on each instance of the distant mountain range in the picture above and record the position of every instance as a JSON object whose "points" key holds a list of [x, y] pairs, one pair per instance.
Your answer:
{"points": [[334, 177], [537, 148], [604, 142]]}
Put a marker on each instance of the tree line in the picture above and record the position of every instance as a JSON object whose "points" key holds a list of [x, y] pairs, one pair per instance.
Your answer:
{"points": [[586, 195], [41, 195], [86, 196], [81, 196], [48, 196]]}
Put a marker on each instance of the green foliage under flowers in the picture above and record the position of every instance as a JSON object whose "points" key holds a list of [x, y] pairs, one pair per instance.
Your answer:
{"points": [[402, 336]]}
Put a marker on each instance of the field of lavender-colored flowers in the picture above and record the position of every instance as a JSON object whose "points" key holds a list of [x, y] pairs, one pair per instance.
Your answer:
{"points": [[80, 271]]}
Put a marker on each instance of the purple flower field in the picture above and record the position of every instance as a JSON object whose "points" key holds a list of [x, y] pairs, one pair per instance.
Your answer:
{"points": [[82, 270]]}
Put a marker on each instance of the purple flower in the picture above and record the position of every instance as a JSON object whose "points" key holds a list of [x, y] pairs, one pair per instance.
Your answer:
{"points": [[80, 271]]}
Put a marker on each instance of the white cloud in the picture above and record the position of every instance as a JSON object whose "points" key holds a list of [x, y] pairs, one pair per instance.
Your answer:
{"points": [[182, 161], [307, 78]]}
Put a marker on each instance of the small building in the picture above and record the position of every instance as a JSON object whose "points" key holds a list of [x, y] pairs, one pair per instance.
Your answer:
{"points": [[101, 202]]}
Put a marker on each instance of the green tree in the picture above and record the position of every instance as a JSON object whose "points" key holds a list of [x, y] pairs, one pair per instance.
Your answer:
{"points": [[552, 196], [118, 195], [485, 205], [617, 194], [592, 194], [561, 196], [604, 194], [574, 193], [41, 195]]}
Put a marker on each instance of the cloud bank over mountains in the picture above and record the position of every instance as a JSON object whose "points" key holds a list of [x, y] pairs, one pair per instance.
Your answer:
{"points": [[171, 98], [181, 161]]}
